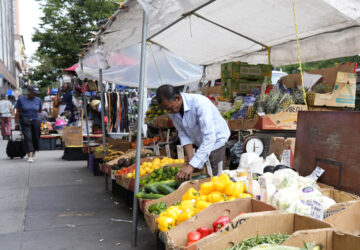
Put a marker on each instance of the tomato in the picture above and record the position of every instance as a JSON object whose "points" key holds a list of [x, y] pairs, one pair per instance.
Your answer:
{"points": [[194, 236]]}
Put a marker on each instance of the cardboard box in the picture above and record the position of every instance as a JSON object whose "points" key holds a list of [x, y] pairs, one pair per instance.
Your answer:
{"points": [[329, 75], [327, 238], [285, 120], [170, 200], [242, 124], [279, 144], [343, 94], [72, 136], [248, 226], [176, 237], [347, 221], [214, 90]]}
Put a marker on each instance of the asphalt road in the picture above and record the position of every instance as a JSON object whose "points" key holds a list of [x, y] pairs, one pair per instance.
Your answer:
{"points": [[56, 204]]}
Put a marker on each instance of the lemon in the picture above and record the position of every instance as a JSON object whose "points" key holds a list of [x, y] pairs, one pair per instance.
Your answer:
{"points": [[181, 161], [142, 172], [129, 175], [156, 161]]}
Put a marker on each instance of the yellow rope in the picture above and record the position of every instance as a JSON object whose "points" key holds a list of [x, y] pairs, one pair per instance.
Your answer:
{"points": [[299, 57], [156, 66], [269, 54]]}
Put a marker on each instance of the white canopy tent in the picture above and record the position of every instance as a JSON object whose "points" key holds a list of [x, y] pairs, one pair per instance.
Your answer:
{"points": [[208, 32], [123, 67]]}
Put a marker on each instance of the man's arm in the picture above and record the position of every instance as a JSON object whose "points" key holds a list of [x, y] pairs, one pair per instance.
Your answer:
{"points": [[12, 111], [189, 151]]}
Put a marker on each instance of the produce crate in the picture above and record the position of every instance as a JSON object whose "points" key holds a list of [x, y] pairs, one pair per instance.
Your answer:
{"points": [[169, 200], [47, 143], [285, 120], [242, 124], [258, 224], [176, 238]]}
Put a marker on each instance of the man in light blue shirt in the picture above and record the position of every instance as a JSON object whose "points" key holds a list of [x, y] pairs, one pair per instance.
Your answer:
{"points": [[198, 122]]}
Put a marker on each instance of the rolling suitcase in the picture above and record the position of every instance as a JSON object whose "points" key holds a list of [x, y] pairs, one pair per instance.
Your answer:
{"points": [[15, 147]]}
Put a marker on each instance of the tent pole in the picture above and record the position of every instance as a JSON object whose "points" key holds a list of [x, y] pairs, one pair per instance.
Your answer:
{"points": [[84, 104], [139, 126], [102, 112]]}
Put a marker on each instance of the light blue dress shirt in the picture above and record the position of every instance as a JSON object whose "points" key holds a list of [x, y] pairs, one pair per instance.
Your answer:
{"points": [[201, 125]]}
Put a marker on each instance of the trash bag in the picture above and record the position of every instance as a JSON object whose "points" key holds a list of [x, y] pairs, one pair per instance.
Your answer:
{"points": [[235, 153]]}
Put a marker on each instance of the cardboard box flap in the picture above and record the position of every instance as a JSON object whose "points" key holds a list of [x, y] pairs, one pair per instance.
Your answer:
{"points": [[264, 224], [347, 221], [176, 237], [327, 238]]}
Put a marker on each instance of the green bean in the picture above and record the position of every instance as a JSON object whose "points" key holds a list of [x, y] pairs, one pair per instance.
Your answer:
{"points": [[273, 239]]}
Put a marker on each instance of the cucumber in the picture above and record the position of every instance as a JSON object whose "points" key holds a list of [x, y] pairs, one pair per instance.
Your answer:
{"points": [[152, 196], [152, 188], [140, 194], [165, 189], [200, 176], [171, 183]]}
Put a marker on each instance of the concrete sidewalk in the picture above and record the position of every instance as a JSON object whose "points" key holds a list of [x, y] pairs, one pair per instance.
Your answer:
{"points": [[57, 204]]}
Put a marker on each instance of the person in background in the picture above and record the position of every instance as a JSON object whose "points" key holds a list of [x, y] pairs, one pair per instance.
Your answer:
{"points": [[6, 113], [44, 115], [69, 105], [27, 114], [198, 122]]}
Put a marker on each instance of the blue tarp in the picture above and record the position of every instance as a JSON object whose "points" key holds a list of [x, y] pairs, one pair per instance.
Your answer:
{"points": [[54, 91], [10, 92]]}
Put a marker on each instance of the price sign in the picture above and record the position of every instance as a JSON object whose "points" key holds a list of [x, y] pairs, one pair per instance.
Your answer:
{"points": [[180, 152], [157, 149], [317, 210], [263, 190], [220, 168], [286, 158], [208, 168], [167, 149], [318, 171]]}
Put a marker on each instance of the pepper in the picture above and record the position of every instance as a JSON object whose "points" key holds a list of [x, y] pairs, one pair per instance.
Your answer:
{"points": [[216, 196], [234, 189], [190, 194], [231, 198], [222, 182], [204, 231], [202, 197], [221, 222], [165, 223], [157, 208], [245, 195], [187, 214], [201, 205], [207, 187], [189, 204], [173, 212], [230, 189], [214, 179]]}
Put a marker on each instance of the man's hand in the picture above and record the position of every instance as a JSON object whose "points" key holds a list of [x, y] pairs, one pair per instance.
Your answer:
{"points": [[17, 127], [185, 173]]}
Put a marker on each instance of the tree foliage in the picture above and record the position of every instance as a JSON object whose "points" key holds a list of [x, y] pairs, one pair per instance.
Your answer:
{"points": [[65, 26], [290, 69]]}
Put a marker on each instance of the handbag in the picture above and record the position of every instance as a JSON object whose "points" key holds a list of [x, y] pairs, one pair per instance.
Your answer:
{"points": [[25, 121]]}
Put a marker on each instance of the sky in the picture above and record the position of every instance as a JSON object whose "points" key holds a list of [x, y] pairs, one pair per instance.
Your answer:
{"points": [[29, 14]]}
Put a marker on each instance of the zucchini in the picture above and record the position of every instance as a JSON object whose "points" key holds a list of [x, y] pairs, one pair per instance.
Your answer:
{"points": [[152, 196], [165, 189], [171, 183], [199, 177]]}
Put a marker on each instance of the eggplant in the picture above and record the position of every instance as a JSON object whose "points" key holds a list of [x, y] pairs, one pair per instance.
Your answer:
{"points": [[270, 169], [278, 167], [121, 162], [127, 163]]}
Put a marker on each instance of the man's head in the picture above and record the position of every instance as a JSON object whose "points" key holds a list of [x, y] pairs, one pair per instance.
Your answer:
{"points": [[32, 92], [2, 96], [66, 87], [169, 98]]}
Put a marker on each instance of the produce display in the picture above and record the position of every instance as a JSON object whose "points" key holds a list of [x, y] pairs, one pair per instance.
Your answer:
{"points": [[272, 239], [153, 112], [157, 189], [202, 232], [128, 158], [289, 192], [162, 174], [147, 141], [149, 167], [45, 128], [112, 154], [157, 208], [219, 189]]}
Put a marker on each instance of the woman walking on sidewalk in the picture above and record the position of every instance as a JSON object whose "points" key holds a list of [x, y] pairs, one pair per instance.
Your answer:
{"points": [[27, 112], [6, 113]]}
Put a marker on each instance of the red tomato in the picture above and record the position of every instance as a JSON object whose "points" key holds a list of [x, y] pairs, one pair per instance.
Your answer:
{"points": [[194, 236]]}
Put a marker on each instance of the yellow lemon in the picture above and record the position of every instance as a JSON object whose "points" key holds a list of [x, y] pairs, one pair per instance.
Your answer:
{"points": [[129, 175], [156, 161]]}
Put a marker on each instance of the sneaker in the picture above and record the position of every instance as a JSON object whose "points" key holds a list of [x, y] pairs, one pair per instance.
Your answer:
{"points": [[30, 160], [34, 156]]}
